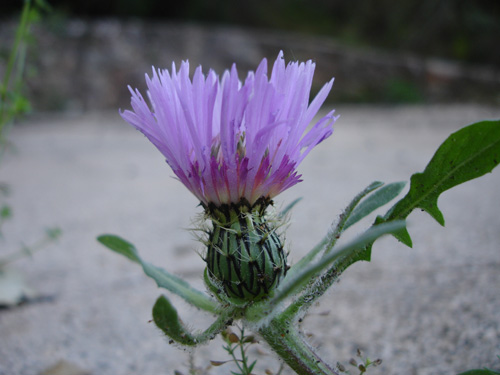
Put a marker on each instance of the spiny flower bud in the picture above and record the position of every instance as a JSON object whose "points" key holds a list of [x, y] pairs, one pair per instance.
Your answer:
{"points": [[245, 257]]}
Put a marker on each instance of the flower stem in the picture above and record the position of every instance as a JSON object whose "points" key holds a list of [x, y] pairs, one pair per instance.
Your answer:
{"points": [[287, 342]]}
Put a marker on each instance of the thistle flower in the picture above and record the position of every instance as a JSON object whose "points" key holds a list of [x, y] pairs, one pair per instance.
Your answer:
{"points": [[235, 145], [228, 140]]}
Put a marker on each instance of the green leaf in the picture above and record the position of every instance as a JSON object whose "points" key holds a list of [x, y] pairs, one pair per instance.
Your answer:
{"points": [[380, 197], [328, 242], [163, 278], [167, 319], [53, 233], [120, 246], [21, 105], [5, 212], [480, 372], [466, 154]]}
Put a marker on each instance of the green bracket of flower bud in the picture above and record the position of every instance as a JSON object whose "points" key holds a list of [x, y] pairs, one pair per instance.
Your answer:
{"points": [[245, 256]]}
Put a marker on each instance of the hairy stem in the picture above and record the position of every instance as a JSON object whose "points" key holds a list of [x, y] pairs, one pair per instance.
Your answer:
{"points": [[287, 342], [315, 291]]}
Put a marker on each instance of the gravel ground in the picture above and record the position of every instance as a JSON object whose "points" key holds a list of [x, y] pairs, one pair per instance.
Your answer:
{"points": [[433, 309]]}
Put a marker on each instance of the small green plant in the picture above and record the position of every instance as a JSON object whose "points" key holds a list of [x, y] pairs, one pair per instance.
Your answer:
{"points": [[51, 235], [236, 347], [13, 104], [362, 364]]}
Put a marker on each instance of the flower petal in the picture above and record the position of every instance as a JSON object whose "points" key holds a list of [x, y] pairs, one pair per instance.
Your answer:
{"points": [[227, 140]]}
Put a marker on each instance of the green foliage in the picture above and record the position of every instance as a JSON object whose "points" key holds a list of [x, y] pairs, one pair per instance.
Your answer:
{"points": [[374, 201], [13, 103], [166, 318], [329, 241], [5, 214], [235, 344], [120, 246], [466, 154], [307, 273], [480, 372], [51, 235], [362, 364], [163, 278]]}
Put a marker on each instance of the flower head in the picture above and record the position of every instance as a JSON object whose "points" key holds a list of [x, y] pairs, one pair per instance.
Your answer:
{"points": [[230, 141]]}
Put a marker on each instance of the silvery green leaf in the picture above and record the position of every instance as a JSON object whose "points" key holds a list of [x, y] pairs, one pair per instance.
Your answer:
{"points": [[330, 239], [167, 319], [163, 278], [373, 201]]}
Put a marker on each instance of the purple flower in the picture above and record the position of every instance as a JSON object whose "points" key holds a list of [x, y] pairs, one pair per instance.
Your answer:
{"points": [[230, 141]]}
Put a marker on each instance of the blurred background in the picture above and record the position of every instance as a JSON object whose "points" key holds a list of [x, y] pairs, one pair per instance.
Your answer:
{"points": [[76, 164], [84, 53]]}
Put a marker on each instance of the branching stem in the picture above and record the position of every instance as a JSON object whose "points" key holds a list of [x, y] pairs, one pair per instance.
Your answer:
{"points": [[287, 342]]}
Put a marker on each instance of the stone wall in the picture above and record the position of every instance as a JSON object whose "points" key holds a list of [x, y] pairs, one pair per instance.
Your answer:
{"points": [[87, 65]]}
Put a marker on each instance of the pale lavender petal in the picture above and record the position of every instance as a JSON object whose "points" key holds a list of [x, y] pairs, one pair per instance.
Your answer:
{"points": [[226, 140]]}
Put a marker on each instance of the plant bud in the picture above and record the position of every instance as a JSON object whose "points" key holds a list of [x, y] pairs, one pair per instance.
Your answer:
{"points": [[245, 257]]}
